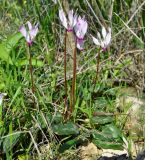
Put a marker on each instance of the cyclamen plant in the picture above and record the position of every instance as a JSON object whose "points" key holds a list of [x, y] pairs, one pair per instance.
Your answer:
{"points": [[105, 40], [79, 25], [69, 24], [29, 34]]}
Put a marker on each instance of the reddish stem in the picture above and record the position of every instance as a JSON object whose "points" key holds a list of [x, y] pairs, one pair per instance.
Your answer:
{"points": [[97, 68], [31, 73], [65, 78], [73, 81]]}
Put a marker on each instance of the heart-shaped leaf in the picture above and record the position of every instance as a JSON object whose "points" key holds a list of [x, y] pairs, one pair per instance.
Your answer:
{"points": [[101, 119], [65, 129], [108, 145], [112, 130]]}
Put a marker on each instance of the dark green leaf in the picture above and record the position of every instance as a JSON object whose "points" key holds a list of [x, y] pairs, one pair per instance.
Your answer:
{"points": [[107, 145], [66, 129], [57, 118], [68, 144], [101, 136], [112, 130], [101, 119]]}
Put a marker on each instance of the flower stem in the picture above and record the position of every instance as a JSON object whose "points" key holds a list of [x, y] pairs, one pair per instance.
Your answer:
{"points": [[31, 73], [97, 69], [73, 81], [65, 78]]}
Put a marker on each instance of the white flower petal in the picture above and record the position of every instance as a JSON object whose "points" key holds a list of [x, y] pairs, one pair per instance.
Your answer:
{"points": [[107, 39], [75, 20], [63, 18], [55, 1], [1, 97], [109, 30], [96, 41], [23, 31], [29, 25], [104, 33], [84, 27], [102, 44], [70, 18], [33, 33], [99, 36]]}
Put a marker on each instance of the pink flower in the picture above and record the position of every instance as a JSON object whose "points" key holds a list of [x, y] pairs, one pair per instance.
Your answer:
{"points": [[103, 41], [80, 30], [70, 22], [29, 34]]}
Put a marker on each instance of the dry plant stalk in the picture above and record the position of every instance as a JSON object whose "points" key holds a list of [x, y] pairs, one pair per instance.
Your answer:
{"points": [[70, 50]]}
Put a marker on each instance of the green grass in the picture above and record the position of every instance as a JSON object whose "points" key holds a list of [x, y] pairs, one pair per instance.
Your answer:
{"points": [[25, 131]]}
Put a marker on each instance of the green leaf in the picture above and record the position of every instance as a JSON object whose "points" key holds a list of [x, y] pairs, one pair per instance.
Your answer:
{"points": [[107, 145], [69, 144], [66, 129], [4, 54], [101, 119], [12, 41], [112, 130], [101, 136], [109, 138], [58, 118], [7, 46]]}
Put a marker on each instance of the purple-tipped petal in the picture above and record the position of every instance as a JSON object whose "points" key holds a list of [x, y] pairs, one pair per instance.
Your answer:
{"points": [[63, 18], [80, 44], [23, 31], [30, 34], [104, 40]]}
